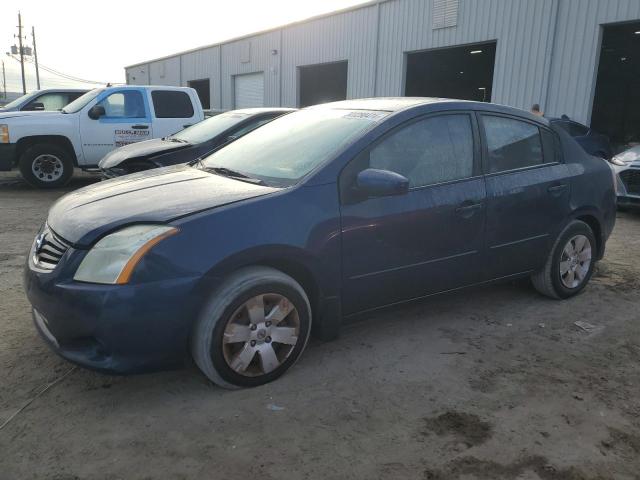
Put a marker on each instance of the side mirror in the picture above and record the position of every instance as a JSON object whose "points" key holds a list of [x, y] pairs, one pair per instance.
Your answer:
{"points": [[34, 107], [381, 183], [96, 112]]}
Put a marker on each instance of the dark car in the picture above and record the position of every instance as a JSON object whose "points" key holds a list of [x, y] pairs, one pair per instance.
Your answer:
{"points": [[592, 142], [188, 144], [322, 214]]}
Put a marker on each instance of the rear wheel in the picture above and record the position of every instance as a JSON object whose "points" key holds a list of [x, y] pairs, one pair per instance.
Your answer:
{"points": [[46, 166], [570, 264], [253, 329]]}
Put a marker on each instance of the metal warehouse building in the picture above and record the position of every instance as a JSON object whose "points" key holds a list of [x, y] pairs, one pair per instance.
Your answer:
{"points": [[574, 57]]}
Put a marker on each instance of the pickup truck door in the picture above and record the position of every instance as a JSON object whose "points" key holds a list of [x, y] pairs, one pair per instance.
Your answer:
{"points": [[173, 110], [127, 120]]}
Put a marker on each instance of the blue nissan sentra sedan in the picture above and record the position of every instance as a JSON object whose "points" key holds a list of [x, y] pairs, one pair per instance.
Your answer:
{"points": [[324, 213]]}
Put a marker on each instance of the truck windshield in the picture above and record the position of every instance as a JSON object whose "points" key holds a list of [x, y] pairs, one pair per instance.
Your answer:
{"points": [[18, 101], [209, 128], [288, 148], [79, 103]]}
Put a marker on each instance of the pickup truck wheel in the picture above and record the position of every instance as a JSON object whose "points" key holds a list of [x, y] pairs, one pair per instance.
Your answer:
{"points": [[253, 329], [46, 166], [570, 263]]}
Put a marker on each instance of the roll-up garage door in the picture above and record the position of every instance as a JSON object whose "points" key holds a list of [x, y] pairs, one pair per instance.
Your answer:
{"points": [[249, 90]]}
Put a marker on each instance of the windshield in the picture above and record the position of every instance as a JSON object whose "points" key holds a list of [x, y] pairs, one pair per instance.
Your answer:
{"points": [[288, 148], [79, 103], [18, 101], [209, 128]]}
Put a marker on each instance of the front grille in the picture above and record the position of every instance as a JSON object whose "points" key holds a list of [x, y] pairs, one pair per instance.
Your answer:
{"points": [[631, 180], [48, 249]]}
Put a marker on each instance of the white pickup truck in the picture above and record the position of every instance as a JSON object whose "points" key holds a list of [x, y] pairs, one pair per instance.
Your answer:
{"points": [[46, 146]]}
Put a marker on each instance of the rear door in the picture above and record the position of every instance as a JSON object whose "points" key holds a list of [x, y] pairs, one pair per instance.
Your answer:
{"points": [[173, 111], [126, 120], [527, 193], [401, 247]]}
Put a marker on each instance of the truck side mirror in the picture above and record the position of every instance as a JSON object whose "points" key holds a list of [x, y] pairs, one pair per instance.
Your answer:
{"points": [[96, 112], [34, 107]]}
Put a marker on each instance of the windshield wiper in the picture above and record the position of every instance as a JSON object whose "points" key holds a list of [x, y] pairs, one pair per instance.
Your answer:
{"points": [[227, 172], [174, 139]]}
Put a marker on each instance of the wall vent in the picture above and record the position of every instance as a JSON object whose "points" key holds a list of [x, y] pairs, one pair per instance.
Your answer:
{"points": [[445, 13]]}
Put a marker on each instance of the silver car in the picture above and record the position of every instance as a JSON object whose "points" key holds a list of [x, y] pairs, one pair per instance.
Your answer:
{"points": [[627, 168]]}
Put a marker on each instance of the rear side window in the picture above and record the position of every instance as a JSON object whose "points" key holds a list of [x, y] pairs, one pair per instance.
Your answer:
{"points": [[434, 150], [171, 104], [511, 144]]}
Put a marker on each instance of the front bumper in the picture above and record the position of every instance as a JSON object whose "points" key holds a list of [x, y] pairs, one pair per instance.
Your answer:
{"points": [[113, 328], [7, 156], [628, 187]]}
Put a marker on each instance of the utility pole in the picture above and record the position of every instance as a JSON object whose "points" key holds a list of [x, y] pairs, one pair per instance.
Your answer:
{"points": [[4, 82], [35, 56], [24, 84]]}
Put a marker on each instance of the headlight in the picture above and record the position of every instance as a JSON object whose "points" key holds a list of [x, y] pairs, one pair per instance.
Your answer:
{"points": [[113, 259], [4, 133], [617, 161]]}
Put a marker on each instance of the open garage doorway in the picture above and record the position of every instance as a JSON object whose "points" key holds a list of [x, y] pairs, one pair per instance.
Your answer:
{"points": [[464, 72], [203, 90], [322, 83], [616, 105]]}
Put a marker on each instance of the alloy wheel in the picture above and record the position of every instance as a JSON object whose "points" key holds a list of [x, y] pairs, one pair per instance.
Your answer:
{"points": [[47, 168], [261, 334], [575, 261]]}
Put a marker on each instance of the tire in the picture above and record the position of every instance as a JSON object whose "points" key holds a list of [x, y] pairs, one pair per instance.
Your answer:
{"points": [[46, 165], [223, 330], [550, 280]]}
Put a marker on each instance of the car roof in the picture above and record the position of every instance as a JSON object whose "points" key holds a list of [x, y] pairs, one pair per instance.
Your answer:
{"points": [[258, 110], [63, 90], [398, 104]]}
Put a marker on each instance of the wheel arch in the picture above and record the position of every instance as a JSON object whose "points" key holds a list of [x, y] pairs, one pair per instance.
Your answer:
{"points": [[590, 217], [59, 140], [292, 261]]}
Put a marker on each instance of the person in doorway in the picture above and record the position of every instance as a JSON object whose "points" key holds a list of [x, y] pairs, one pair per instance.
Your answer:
{"points": [[535, 109]]}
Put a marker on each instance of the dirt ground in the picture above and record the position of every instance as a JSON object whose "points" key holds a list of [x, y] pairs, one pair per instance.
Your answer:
{"points": [[490, 383]]}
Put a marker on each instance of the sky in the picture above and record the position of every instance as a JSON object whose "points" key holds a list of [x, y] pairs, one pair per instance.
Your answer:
{"points": [[95, 40]]}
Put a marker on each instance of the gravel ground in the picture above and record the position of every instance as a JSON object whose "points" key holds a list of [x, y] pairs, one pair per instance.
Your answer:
{"points": [[491, 383]]}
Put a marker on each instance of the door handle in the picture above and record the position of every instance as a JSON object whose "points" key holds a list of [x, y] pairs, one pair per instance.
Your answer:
{"points": [[467, 210], [556, 190], [187, 125], [140, 127]]}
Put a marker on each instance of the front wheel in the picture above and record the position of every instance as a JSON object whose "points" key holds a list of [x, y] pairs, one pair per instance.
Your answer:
{"points": [[46, 166], [253, 329], [570, 263]]}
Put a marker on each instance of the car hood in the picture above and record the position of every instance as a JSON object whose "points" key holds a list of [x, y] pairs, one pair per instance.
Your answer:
{"points": [[38, 113], [160, 195], [139, 150], [630, 157]]}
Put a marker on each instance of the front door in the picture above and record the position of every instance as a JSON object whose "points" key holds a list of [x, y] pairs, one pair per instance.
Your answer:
{"points": [[126, 120], [429, 240], [527, 194]]}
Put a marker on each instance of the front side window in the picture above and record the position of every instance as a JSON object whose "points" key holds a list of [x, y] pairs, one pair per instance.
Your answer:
{"points": [[511, 144], [434, 150], [49, 101], [125, 104], [171, 104]]}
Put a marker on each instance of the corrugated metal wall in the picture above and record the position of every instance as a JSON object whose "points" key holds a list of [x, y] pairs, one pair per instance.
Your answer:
{"points": [[547, 51], [577, 49], [350, 36]]}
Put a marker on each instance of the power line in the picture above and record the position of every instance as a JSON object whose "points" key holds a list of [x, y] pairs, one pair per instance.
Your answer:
{"points": [[61, 74]]}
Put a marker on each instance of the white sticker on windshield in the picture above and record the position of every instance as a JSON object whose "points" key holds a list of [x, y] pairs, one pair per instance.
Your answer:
{"points": [[366, 114]]}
